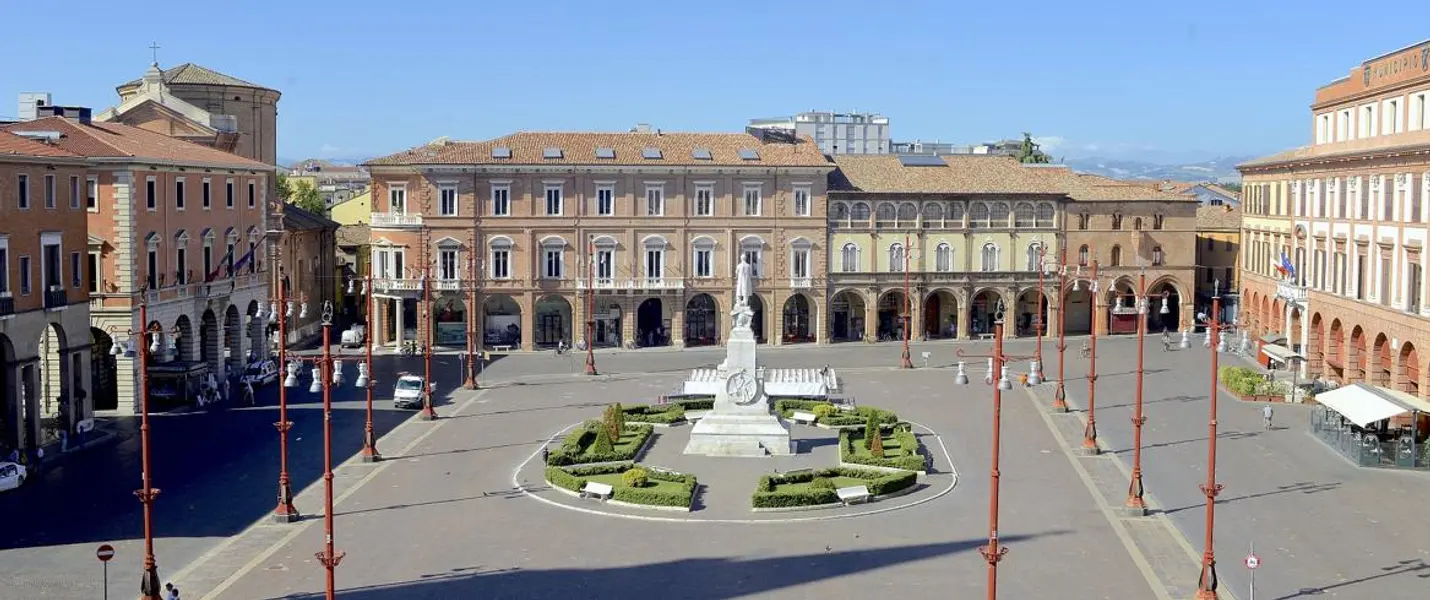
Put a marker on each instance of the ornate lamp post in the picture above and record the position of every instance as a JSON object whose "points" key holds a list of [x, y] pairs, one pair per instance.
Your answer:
{"points": [[1089, 436], [472, 330], [281, 308], [590, 310], [327, 372], [994, 552], [428, 413], [906, 361], [365, 379], [1060, 397], [1135, 504], [1035, 374], [1207, 581]]}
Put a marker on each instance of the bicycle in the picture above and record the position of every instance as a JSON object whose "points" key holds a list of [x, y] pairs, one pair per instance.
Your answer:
{"points": [[632, 345], [409, 348]]}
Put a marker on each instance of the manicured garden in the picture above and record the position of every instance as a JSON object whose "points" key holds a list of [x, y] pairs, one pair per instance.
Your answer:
{"points": [[894, 447], [829, 415], [1250, 384], [607, 440], [630, 482], [815, 487]]}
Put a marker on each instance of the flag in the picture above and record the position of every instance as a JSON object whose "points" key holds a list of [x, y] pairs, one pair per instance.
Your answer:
{"points": [[1287, 267], [221, 263], [247, 256]]}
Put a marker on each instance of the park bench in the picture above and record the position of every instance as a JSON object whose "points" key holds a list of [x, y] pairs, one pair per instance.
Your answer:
{"points": [[800, 416], [599, 491], [985, 336], [853, 494], [502, 348]]}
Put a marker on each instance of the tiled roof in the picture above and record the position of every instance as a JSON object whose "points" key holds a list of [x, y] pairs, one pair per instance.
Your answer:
{"points": [[964, 174], [529, 148], [12, 145], [190, 73], [1095, 188], [354, 235], [1218, 217], [116, 140], [300, 219]]}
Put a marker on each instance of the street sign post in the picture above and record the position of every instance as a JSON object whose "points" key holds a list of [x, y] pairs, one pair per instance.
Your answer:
{"points": [[1252, 561], [104, 553]]}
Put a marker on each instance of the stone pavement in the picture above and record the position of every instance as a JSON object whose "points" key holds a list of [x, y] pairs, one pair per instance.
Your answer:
{"points": [[444, 521]]}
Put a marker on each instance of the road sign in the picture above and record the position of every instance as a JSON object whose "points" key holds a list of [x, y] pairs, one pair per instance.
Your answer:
{"points": [[1252, 561], [104, 553]]}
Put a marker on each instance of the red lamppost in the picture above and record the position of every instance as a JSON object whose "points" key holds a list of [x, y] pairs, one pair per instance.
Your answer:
{"points": [[472, 331], [1207, 582], [1089, 435], [428, 413], [993, 552], [281, 309], [144, 348], [590, 310], [365, 379], [1135, 503], [907, 361], [1060, 397]]}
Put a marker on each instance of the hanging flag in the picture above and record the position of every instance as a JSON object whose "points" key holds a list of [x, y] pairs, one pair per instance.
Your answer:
{"points": [[247, 256], [1287, 267], [225, 261]]}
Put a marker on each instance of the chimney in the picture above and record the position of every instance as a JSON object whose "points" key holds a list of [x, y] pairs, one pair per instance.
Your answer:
{"points": [[77, 114]]}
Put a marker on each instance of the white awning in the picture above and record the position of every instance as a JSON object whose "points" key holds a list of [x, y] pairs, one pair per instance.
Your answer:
{"points": [[1365, 404], [1281, 353]]}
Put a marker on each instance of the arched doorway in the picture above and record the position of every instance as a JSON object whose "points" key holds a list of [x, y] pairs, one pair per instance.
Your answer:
{"points": [[608, 322], [233, 339], [1408, 373], [757, 320], [502, 324], [553, 321], [103, 370], [1078, 312], [1163, 295], [652, 328], [1335, 353], [56, 404], [702, 321], [1032, 312], [1278, 319], [449, 320], [1380, 372], [182, 343], [941, 315], [1315, 355], [891, 310], [1293, 337], [846, 314], [1357, 356], [9, 408], [1121, 304], [983, 310], [1268, 324], [797, 320], [208, 341], [257, 346]]}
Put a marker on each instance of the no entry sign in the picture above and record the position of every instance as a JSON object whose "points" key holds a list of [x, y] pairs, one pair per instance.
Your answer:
{"points": [[104, 553]]}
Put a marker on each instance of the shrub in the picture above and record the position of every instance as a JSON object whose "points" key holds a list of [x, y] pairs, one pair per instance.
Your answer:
{"points": [[766, 484], [871, 433], [821, 483], [879, 415], [892, 482], [696, 404], [823, 411], [786, 406], [913, 460], [561, 478], [602, 469], [876, 445], [843, 420], [805, 497], [603, 444], [636, 477], [619, 417], [662, 414]]}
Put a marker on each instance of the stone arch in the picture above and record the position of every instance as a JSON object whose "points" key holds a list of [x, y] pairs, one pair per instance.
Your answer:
{"points": [[53, 390], [702, 321], [797, 319], [1078, 314], [103, 370], [182, 341], [1382, 364], [1293, 337], [1407, 370], [982, 309], [893, 306], [1335, 352], [1357, 357], [1165, 292], [552, 320], [232, 339], [257, 348], [846, 315], [940, 314], [1031, 312], [501, 321], [209, 343], [1278, 317], [1313, 349], [10, 402]]}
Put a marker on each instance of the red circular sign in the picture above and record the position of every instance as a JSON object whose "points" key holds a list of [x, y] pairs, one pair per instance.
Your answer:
{"points": [[1252, 561], [104, 553]]}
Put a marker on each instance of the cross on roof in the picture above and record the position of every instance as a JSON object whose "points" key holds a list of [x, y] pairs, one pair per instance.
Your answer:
{"points": [[154, 49]]}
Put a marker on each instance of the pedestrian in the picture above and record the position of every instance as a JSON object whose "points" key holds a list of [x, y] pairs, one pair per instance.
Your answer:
{"points": [[171, 592], [1266, 413], [1166, 341]]}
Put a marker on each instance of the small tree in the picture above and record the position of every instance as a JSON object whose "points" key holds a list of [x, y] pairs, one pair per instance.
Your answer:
{"points": [[620, 420], [306, 197], [602, 445], [635, 477], [871, 431], [876, 444]]}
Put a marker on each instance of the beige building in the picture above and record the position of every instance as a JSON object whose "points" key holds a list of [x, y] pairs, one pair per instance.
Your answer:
{"points": [[202, 106], [306, 264], [652, 224], [1218, 251], [1335, 232]]}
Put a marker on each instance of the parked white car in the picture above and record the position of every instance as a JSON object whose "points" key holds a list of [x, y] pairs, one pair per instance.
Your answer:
{"points": [[260, 372], [408, 392], [11, 476], [355, 336]]}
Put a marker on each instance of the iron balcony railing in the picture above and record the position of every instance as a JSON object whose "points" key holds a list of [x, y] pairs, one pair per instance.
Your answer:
{"points": [[55, 297], [389, 219], [7, 304]]}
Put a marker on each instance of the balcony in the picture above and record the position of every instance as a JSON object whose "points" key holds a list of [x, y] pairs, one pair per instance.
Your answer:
{"points": [[390, 285], [396, 220], [1290, 291], [801, 283], [7, 304], [55, 298], [633, 283], [896, 278]]}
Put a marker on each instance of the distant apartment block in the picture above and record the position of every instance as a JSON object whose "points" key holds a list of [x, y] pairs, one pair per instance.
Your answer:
{"points": [[836, 133]]}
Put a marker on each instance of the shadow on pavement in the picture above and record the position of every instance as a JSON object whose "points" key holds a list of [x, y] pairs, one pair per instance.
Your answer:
{"points": [[1414, 565], [695, 578], [1304, 487]]}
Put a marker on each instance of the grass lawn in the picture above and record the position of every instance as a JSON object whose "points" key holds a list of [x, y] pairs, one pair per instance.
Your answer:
{"points": [[891, 448], [628, 441], [839, 482], [614, 480]]}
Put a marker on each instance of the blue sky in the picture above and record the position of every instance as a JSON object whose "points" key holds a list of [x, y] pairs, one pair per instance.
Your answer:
{"points": [[1159, 81]]}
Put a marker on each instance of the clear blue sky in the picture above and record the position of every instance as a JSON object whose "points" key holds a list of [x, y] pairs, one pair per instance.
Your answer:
{"points": [[1164, 81]]}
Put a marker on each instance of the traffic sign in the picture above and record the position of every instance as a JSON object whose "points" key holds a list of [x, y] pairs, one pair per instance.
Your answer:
{"points": [[104, 553], [1252, 561]]}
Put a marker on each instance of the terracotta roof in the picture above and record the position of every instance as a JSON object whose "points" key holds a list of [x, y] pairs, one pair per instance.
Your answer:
{"points": [[1218, 217], [529, 148], [190, 73], [965, 174], [116, 140], [304, 220], [11, 144], [1223, 191], [1095, 188], [353, 235]]}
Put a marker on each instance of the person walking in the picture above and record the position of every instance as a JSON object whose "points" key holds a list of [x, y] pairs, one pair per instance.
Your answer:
{"points": [[1166, 341], [1266, 414]]}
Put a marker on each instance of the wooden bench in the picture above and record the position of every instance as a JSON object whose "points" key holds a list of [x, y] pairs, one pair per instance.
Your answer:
{"points": [[600, 491], [853, 494], [800, 416]]}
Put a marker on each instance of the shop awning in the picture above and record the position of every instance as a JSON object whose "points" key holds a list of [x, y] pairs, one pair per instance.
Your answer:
{"points": [[1281, 353], [1365, 404]]}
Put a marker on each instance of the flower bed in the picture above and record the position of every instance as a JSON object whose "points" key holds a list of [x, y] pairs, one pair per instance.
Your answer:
{"points": [[817, 487], [577, 446], [902, 449], [661, 489]]}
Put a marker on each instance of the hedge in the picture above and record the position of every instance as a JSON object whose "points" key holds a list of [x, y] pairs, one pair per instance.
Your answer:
{"points": [[860, 415], [574, 478], [565, 455], [562, 478], [879, 483], [662, 414], [701, 404], [1243, 381], [804, 497], [912, 462]]}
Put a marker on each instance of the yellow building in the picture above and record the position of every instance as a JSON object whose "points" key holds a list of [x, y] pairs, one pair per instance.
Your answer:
{"points": [[356, 210], [1218, 249]]}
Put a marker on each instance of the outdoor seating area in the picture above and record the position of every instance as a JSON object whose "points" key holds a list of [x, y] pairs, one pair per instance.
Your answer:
{"points": [[1372, 426]]}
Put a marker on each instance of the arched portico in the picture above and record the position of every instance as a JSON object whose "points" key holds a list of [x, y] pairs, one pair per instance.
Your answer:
{"points": [[940, 315], [846, 316], [797, 320]]}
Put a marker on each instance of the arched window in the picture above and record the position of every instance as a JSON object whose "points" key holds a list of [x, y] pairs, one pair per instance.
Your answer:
{"points": [[859, 212], [885, 213], [1157, 256], [1023, 215], [978, 215], [1117, 220], [1082, 256], [1034, 255], [943, 258], [896, 257], [1157, 221], [1116, 256], [1137, 224], [999, 215], [908, 212], [839, 211], [849, 258], [1082, 220], [955, 213], [933, 214], [990, 257], [1045, 214]]}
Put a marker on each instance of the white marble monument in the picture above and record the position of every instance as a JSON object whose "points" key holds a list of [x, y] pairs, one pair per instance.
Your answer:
{"points": [[742, 422]]}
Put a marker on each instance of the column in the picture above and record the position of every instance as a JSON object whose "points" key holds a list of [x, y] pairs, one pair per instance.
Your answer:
{"points": [[1305, 341], [677, 322], [871, 319], [628, 319], [965, 315], [400, 316], [528, 322], [775, 334], [1286, 317]]}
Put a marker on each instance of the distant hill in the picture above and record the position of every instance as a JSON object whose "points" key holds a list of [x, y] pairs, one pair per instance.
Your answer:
{"points": [[1220, 169], [289, 162]]}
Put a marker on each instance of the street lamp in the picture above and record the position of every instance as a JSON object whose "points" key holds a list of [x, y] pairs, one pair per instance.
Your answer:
{"points": [[427, 414], [906, 361], [365, 380], [472, 330], [326, 373], [281, 308], [1060, 396], [1089, 435], [994, 552], [1207, 581], [145, 347], [1135, 504], [1035, 374], [590, 310]]}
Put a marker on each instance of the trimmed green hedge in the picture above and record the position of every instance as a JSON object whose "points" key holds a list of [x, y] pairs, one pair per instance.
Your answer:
{"points": [[701, 404], [573, 478], [662, 414], [803, 497], [911, 460], [837, 418], [576, 448], [562, 478], [1243, 381], [768, 495]]}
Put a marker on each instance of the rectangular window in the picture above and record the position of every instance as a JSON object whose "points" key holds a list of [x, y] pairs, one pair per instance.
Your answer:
{"points": [[252, 194], [799, 265], [181, 265], [207, 199], [93, 272], [74, 191], [553, 264], [605, 264], [228, 193], [704, 201], [24, 275], [397, 199], [1419, 112], [1412, 302], [553, 200], [4, 270], [605, 201], [208, 258], [752, 201], [179, 193], [76, 273], [253, 257], [153, 264], [501, 200], [448, 195], [752, 257], [49, 191], [501, 264], [447, 265], [1387, 198], [654, 263], [1385, 281], [801, 202], [22, 190], [704, 263], [654, 201], [1343, 126], [91, 196], [1367, 121]]}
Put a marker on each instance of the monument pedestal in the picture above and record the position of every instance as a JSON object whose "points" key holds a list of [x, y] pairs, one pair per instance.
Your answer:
{"points": [[739, 435]]}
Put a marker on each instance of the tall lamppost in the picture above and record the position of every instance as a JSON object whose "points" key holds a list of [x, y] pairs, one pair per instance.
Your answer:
{"points": [[428, 413], [144, 348], [1089, 435], [365, 379], [1035, 375], [327, 372], [993, 552], [907, 362], [1060, 397], [1207, 581], [472, 330], [281, 308], [1135, 503], [590, 310]]}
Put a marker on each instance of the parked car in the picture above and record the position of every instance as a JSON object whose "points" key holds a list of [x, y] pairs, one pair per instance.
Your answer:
{"points": [[11, 476], [260, 372], [355, 336], [409, 391]]}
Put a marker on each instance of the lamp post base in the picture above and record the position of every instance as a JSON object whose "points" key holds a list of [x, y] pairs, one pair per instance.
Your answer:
{"points": [[906, 362], [149, 582], [1129, 510], [469, 384], [370, 455], [427, 414], [285, 514], [1060, 399]]}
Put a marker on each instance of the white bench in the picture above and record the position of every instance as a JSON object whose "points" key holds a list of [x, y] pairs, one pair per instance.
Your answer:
{"points": [[600, 491], [800, 416], [502, 348], [985, 336], [853, 494]]}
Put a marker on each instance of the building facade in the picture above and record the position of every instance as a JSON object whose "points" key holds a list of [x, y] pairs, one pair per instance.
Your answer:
{"points": [[1218, 256], [46, 386], [1334, 233], [306, 262], [836, 133], [176, 226], [203, 106], [638, 232]]}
